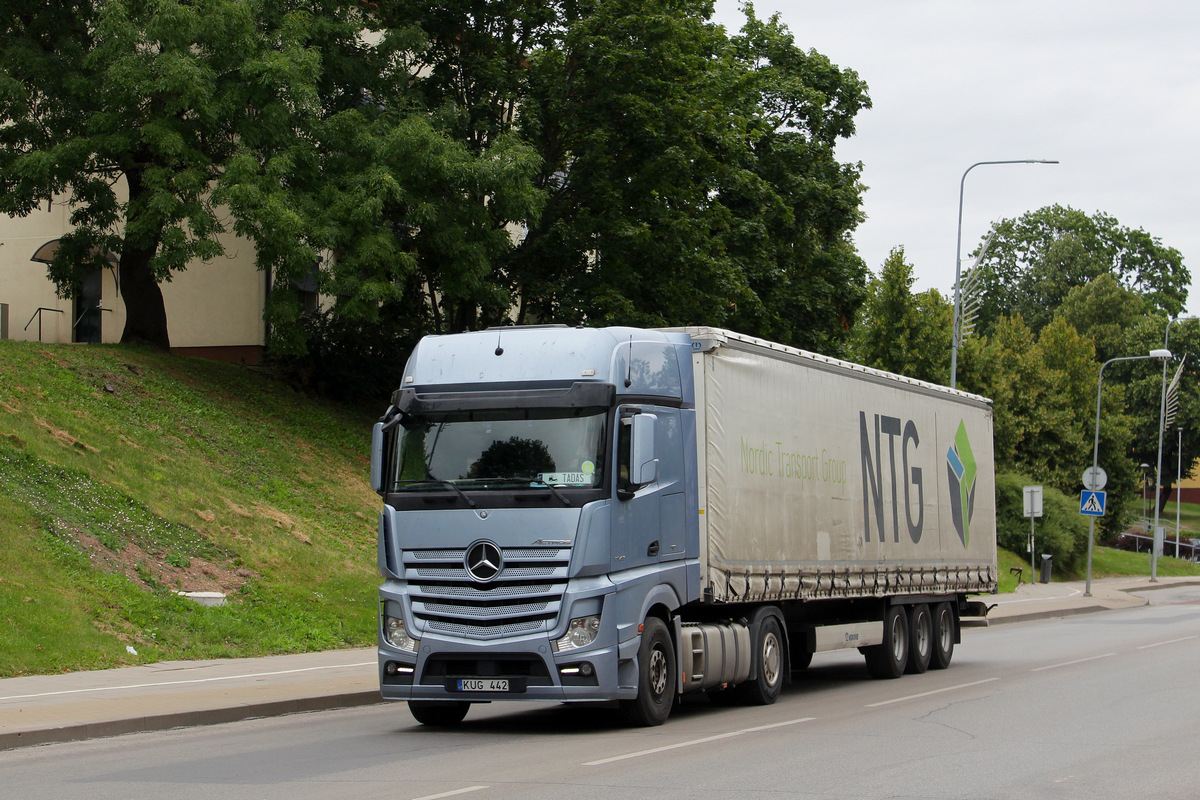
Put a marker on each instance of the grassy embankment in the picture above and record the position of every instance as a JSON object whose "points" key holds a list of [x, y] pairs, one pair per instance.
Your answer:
{"points": [[1108, 562], [127, 476]]}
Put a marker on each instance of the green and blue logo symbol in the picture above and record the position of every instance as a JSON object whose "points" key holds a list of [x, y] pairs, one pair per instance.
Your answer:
{"points": [[961, 471]]}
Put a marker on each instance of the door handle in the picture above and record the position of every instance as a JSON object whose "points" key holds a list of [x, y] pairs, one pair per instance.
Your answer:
{"points": [[652, 550]]}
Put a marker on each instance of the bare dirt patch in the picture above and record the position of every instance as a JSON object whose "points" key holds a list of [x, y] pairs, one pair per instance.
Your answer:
{"points": [[159, 569]]}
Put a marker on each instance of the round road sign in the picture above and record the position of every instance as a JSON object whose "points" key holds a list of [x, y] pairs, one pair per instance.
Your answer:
{"points": [[1094, 478]]}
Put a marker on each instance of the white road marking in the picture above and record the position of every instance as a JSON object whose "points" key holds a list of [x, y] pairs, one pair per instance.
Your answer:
{"points": [[182, 683], [927, 694], [1070, 663], [451, 794], [1169, 641], [692, 742]]}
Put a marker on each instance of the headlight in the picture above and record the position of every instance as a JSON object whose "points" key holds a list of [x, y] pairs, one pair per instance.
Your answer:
{"points": [[397, 636], [580, 633]]}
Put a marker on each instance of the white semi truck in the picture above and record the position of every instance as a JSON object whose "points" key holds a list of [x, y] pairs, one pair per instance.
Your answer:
{"points": [[576, 514]]}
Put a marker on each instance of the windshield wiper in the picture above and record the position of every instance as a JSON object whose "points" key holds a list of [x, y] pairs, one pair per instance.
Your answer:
{"points": [[566, 500], [449, 484]]}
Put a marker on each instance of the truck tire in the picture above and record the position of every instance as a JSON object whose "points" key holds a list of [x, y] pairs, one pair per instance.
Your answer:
{"points": [[943, 636], [439, 713], [888, 660], [656, 677], [920, 639], [770, 663]]}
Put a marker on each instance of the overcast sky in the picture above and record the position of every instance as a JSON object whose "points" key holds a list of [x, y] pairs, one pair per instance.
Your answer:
{"points": [[1110, 89]]}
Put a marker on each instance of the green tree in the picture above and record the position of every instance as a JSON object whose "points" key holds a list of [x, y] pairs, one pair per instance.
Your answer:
{"points": [[1145, 388], [901, 332], [1033, 262], [1043, 390], [678, 176], [1104, 311], [133, 109]]}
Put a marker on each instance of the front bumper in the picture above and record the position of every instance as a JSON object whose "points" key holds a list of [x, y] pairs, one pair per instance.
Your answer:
{"points": [[533, 671]]}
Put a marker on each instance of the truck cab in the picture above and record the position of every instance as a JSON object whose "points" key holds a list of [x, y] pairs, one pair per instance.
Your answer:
{"points": [[535, 484]]}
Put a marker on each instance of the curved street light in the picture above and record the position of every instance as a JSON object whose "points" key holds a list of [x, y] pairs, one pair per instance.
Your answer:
{"points": [[1163, 355], [956, 333]]}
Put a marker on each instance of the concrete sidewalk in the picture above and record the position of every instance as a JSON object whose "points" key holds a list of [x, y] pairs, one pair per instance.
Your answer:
{"points": [[172, 694]]}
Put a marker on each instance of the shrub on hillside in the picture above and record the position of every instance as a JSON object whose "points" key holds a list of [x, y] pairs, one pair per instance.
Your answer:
{"points": [[1061, 530], [350, 360]]}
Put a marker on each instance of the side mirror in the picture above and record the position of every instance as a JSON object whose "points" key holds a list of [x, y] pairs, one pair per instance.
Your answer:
{"points": [[643, 465], [377, 457]]}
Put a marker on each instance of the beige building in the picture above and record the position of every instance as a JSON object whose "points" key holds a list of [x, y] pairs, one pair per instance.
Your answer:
{"points": [[214, 309]]}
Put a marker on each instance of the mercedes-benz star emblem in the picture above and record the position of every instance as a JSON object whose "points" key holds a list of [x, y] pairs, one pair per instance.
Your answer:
{"points": [[484, 561]]}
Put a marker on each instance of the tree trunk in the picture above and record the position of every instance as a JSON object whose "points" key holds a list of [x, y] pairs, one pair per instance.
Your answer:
{"points": [[1164, 495], [145, 312]]}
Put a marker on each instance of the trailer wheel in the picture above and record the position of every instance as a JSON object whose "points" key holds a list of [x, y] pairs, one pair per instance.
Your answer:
{"points": [[769, 655], [439, 713], [889, 659], [656, 677], [943, 636], [920, 639]]}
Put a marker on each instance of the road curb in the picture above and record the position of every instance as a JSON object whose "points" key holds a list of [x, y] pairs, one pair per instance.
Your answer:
{"points": [[186, 719], [1050, 614]]}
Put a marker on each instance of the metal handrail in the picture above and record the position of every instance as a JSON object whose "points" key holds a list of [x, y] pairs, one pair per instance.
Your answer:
{"points": [[38, 314]]}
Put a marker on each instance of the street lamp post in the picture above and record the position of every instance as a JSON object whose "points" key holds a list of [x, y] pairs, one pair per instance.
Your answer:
{"points": [[1159, 354], [956, 333], [1155, 541], [1178, 480]]}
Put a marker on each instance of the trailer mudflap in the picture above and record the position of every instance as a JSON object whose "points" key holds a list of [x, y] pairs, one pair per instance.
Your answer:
{"points": [[973, 613]]}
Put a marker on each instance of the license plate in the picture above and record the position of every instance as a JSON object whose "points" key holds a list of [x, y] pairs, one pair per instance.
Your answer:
{"points": [[483, 685]]}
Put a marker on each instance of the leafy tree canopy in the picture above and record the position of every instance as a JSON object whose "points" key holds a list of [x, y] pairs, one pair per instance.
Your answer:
{"points": [[132, 110], [448, 165], [1145, 391], [901, 332], [594, 162], [1033, 263], [1043, 390]]}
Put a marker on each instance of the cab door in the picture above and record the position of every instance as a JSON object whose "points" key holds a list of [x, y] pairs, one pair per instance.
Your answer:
{"points": [[648, 518]]}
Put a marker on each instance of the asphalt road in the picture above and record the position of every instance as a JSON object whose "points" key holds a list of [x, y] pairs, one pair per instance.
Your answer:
{"points": [[1095, 706]]}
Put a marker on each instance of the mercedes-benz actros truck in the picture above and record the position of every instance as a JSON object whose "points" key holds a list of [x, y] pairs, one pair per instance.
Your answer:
{"points": [[631, 515]]}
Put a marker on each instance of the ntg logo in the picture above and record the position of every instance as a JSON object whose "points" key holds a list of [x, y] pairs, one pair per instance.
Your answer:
{"points": [[961, 470]]}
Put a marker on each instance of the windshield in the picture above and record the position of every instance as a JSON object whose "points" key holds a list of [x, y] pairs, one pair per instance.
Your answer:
{"points": [[501, 449]]}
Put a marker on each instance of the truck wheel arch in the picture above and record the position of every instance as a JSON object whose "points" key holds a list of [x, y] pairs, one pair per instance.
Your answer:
{"points": [[661, 602]]}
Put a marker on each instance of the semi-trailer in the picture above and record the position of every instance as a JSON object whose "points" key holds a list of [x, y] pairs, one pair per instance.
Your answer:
{"points": [[600, 514]]}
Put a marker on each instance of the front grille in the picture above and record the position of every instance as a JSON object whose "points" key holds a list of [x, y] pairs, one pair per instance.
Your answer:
{"points": [[525, 597], [485, 631], [438, 668]]}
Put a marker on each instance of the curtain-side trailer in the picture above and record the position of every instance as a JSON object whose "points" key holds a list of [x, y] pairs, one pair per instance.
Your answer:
{"points": [[578, 514]]}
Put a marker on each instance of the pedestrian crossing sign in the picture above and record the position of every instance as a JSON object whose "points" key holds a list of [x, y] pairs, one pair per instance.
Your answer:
{"points": [[1091, 504]]}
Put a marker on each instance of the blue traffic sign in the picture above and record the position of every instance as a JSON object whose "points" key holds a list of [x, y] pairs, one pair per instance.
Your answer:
{"points": [[1091, 504]]}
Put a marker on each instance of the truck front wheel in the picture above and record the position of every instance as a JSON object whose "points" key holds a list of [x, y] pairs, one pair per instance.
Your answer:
{"points": [[888, 660], [656, 677]]}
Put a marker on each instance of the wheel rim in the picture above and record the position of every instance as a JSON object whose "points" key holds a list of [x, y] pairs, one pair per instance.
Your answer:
{"points": [[945, 630], [772, 659], [657, 671], [898, 644], [924, 634]]}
